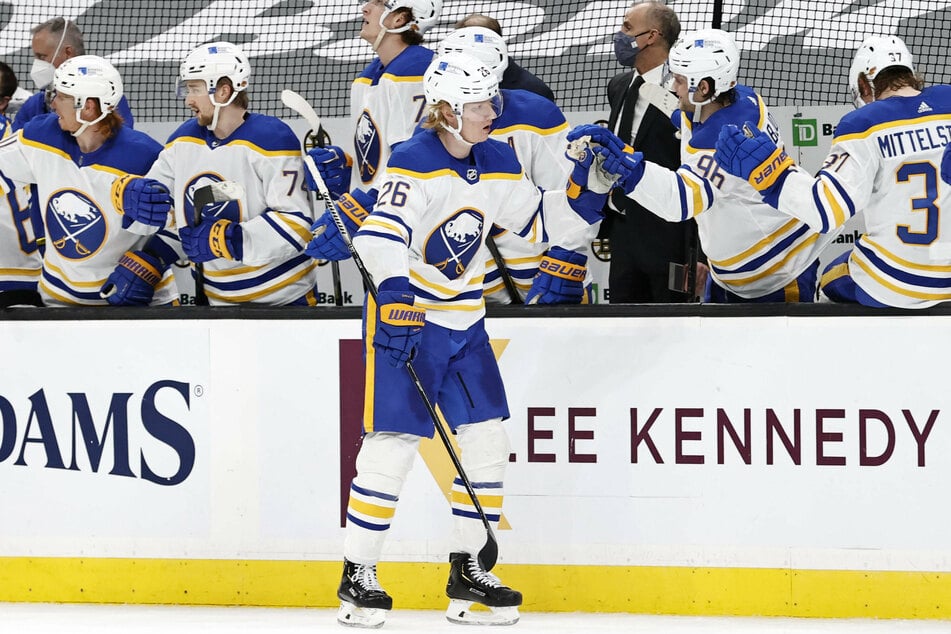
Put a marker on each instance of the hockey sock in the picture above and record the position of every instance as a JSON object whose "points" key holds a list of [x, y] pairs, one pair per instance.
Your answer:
{"points": [[484, 454], [382, 465]]}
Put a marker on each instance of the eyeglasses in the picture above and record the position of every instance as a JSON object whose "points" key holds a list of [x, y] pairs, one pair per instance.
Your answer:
{"points": [[643, 33]]}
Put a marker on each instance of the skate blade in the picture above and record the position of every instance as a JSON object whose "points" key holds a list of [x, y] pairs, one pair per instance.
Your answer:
{"points": [[353, 616], [460, 612]]}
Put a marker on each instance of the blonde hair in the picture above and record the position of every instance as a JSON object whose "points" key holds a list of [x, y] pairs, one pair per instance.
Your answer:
{"points": [[435, 117]]}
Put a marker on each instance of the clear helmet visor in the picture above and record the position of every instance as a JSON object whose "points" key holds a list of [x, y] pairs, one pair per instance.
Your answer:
{"points": [[481, 110], [191, 88]]}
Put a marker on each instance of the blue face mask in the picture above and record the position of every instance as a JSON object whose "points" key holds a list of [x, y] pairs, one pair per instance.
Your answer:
{"points": [[626, 48]]}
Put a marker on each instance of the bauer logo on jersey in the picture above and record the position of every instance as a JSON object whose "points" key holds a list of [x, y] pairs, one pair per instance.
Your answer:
{"points": [[75, 225], [367, 142], [455, 242]]}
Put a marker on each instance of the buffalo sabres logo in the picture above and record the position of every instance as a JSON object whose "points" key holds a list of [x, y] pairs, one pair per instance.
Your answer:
{"points": [[367, 142], [451, 247], [75, 225], [197, 182]]}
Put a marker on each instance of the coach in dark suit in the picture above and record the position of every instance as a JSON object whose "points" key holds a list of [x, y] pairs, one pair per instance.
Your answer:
{"points": [[642, 245]]}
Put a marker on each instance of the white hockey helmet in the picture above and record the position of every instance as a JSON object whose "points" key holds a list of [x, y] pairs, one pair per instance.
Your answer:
{"points": [[212, 62], [709, 53], [425, 14], [89, 77], [877, 53], [484, 44], [459, 79]]}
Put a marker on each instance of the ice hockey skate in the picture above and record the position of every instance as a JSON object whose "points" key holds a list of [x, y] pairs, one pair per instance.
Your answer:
{"points": [[363, 601], [469, 583]]}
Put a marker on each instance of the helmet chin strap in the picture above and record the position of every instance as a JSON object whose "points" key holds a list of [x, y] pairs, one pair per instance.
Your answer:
{"points": [[384, 31], [698, 106], [218, 107], [457, 132], [859, 100], [83, 124]]}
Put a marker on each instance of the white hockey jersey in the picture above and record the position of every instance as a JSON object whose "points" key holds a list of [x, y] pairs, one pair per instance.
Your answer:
{"points": [[386, 103], [84, 236], [536, 129], [432, 215], [20, 261], [884, 162], [751, 247], [264, 156]]}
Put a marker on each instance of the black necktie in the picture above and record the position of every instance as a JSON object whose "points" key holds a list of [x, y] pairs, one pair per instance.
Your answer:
{"points": [[627, 110]]}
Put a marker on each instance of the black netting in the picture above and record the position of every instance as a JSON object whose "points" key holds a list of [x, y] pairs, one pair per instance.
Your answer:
{"points": [[793, 52]]}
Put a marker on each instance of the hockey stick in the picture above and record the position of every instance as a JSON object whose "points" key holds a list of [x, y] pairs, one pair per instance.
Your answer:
{"points": [[298, 104], [489, 554], [507, 280], [202, 196], [217, 192]]}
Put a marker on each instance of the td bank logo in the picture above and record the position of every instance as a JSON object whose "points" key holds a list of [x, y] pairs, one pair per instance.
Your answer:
{"points": [[805, 132]]}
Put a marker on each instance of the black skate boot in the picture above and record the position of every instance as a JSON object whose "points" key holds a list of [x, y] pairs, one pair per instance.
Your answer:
{"points": [[469, 583], [363, 601]]}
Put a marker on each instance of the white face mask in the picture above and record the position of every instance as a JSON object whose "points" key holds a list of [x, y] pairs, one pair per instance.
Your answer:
{"points": [[42, 73]]}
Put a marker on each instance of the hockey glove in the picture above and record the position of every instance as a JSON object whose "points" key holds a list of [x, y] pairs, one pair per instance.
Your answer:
{"points": [[399, 324], [598, 135], [584, 201], [946, 164], [327, 243], [629, 169], [751, 155], [213, 238], [133, 281], [587, 171], [560, 278], [334, 166], [143, 200]]}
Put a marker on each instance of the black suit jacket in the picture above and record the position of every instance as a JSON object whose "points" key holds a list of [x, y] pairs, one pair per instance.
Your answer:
{"points": [[642, 244]]}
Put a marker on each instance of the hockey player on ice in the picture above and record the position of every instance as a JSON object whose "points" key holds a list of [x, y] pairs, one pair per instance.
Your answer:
{"points": [[252, 246], [883, 163], [73, 156], [755, 253], [429, 308]]}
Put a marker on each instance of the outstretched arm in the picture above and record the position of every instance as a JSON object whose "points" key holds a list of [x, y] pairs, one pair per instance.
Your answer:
{"points": [[824, 202]]}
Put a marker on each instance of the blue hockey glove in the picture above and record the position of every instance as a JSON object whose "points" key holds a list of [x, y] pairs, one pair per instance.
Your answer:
{"points": [[143, 200], [587, 171], [399, 324], [627, 167], [560, 278], [213, 238], [946, 164], [334, 166], [751, 155], [133, 281], [598, 135], [588, 197], [327, 243]]}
